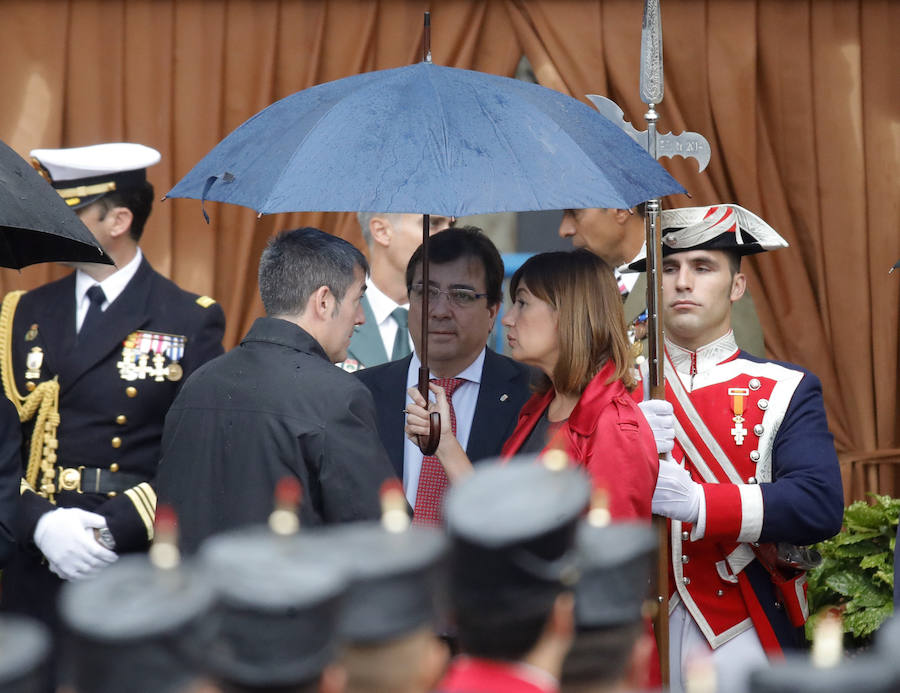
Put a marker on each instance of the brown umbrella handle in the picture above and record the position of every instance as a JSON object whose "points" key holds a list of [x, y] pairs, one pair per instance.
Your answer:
{"points": [[428, 445]]}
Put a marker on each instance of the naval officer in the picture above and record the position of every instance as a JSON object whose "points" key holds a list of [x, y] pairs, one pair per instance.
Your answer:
{"points": [[93, 361]]}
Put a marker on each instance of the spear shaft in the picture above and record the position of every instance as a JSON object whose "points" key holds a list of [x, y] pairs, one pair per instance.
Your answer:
{"points": [[652, 91]]}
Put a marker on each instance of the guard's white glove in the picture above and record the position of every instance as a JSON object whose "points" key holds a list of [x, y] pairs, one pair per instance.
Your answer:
{"points": [[677, 495], [66, 538], [661, 417]]}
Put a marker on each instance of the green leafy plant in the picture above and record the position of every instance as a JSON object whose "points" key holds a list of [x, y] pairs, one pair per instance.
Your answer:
{"points": [[856, 576]]}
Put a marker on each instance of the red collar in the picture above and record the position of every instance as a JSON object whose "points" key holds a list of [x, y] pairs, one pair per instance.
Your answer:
{"points": [[472, 675]]}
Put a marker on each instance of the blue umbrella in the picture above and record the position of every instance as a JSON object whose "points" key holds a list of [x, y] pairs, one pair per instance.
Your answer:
{"points": [[426, 138]]}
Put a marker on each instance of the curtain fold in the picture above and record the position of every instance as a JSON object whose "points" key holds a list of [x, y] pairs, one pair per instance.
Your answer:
{"points": [[799, 102]]}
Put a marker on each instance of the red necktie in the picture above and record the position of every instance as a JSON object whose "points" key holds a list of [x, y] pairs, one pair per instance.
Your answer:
{"points": [[433, 480]]}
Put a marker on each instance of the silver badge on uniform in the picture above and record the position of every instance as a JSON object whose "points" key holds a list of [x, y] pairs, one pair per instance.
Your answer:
{"points": [[33, 362]]}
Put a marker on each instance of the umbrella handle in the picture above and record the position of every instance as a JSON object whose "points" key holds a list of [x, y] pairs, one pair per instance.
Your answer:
{"points": [[430, 444]]}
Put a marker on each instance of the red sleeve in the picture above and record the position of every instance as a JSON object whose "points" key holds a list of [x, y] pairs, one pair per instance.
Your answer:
{"points": [[620, 455]]}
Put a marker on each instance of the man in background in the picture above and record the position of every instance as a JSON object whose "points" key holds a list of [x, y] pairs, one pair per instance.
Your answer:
{"points": [[391, 239]]}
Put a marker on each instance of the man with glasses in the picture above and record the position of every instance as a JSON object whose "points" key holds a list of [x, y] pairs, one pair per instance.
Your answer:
{"points": [[486, 390]]}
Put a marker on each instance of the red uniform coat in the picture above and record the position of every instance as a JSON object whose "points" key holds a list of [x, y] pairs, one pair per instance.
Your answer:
{"points": [[471, 675], [608, 434], [753, 432]]}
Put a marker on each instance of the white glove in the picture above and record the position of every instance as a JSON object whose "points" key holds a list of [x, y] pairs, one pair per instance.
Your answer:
{"points": [[661, 417], [66, 538], [676, 495]]}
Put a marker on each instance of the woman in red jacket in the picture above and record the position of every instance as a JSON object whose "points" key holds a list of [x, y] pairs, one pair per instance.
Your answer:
{"points": [[567, 321]]}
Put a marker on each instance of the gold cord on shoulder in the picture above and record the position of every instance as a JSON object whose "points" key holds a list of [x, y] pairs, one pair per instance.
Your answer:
{"points": [[42, 404]]}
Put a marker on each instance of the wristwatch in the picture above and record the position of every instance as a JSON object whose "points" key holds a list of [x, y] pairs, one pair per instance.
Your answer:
{"points": [[105, 538]]}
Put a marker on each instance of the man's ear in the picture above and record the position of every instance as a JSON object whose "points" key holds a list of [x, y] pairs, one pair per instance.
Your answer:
{"points": [[333, 679], [321, 303], [120, 218], [639, 662], [562, 617], [622, 215], [381, 231], [738, 286]]}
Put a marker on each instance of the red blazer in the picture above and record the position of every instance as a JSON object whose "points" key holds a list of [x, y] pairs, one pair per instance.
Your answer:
{"points": [[608, 434]]}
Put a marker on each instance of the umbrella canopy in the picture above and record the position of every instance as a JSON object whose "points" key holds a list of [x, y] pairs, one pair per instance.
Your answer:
{"points": [[35, 223], [426, 138]]}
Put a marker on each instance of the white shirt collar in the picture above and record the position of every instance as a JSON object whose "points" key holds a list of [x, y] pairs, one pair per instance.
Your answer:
{"points": [[472, 372], [381, 304], [705, 358], [112, 286]]}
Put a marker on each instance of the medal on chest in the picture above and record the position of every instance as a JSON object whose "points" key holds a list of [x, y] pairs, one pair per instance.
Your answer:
{"points": [[153, 355], [737, 395], [33, 362]]}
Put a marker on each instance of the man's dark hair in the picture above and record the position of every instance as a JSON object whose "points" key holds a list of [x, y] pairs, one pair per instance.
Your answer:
{"points": [[600, 655], [308, 687], [502, 634], [296, 263], [139, 200], [463, 241], [734, 262]]}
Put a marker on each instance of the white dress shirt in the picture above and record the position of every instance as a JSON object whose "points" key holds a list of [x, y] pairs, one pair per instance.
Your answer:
{"points": [[464, 400], [625, 275], [382, 306], [112, 286]]}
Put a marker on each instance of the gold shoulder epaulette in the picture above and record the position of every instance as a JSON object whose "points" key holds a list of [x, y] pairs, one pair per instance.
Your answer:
{"points": [[205, 301]]}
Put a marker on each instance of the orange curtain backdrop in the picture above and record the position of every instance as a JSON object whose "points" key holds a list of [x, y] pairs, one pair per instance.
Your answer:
{"points": [[799, 101]]}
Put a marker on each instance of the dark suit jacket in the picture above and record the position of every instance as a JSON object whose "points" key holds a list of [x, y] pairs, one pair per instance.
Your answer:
{"points": [[272, 407], [495, 416]]}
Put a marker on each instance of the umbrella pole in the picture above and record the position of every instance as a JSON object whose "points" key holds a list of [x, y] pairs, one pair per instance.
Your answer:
{"points": [[429, 445], [658, 391]]}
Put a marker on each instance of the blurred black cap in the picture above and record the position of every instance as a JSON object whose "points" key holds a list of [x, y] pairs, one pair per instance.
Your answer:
{"points": [[278, 607], [24, 650], [512, 529], [616, 563], [798, 675], [135, 625], [396, 578]]}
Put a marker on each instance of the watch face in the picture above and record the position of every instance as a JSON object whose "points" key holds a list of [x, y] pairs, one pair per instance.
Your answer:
{"points": [[105, 538]]}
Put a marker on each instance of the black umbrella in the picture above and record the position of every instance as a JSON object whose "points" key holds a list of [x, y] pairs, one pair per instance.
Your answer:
{"points": [[35, 223]]}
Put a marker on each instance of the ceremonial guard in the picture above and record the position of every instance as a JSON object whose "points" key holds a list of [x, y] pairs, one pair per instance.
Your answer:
{"points": [[92, 362], [755, 475]]}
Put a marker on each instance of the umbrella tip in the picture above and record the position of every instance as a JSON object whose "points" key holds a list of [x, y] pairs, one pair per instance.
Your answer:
{"points": [[426, 42]]}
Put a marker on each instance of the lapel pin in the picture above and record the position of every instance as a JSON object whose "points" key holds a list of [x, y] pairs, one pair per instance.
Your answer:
{"points": [[504, 397]]}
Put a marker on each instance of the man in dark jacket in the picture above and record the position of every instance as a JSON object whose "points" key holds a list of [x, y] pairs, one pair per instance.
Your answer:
{"points": [[275, 406]]}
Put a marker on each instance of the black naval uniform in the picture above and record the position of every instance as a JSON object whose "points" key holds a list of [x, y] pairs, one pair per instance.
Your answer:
{"points": [[112, 405]]}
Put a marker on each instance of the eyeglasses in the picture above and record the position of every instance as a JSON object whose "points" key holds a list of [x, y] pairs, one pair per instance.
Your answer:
{"points": [[461, 298]]}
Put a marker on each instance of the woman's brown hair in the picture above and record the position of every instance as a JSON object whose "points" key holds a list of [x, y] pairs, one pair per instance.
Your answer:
{"points": [[582, 289]]}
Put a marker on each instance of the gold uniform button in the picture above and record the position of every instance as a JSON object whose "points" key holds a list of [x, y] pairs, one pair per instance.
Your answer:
{"points": [[111, 494], [114, 467], [121, 419], [116, 442], [131, 391], [30, 386]]}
